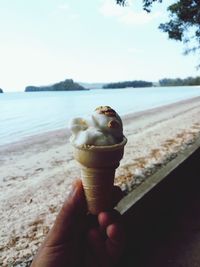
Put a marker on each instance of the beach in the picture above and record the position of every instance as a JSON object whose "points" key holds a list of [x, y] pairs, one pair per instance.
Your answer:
{"points": [[37, 172]]}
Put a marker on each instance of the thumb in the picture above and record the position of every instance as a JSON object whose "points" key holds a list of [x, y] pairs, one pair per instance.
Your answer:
{"points": [[71, 214]]}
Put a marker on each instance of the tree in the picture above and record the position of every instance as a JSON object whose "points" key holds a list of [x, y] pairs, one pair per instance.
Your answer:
{"points": [[147, 4], [180, 82], [128, 84], [184, 23]]}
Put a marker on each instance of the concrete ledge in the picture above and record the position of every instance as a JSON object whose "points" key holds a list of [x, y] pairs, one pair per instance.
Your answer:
{"points": [[128, 201], [162, 223]]}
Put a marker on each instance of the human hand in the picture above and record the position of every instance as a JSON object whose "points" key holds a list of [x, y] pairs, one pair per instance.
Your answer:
{"points": [[79, 239]]}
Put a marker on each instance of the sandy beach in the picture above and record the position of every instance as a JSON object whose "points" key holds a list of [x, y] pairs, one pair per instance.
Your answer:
{"points": [[36, 174]]}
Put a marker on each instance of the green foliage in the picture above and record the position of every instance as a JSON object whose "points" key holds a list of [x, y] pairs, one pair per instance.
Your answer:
{"points": [[128, 84], [147, 4], [180, 82], [121, 2], [1, 91], [67, 85], [184, 23]]}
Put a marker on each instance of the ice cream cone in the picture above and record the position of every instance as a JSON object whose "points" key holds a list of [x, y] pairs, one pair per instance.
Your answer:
{"points": [[98, 164]]}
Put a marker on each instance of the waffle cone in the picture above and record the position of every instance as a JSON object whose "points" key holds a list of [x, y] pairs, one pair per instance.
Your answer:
{"points": [[98, 187], [98, 164]]}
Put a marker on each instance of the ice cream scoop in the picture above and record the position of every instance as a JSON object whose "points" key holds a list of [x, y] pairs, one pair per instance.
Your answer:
{"points": [[98, 143], [103, 127]]}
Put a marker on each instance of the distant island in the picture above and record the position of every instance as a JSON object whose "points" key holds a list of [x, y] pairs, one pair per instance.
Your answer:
{"points": [[67, 85], [128, 84], [70, 85], [180, 82]]}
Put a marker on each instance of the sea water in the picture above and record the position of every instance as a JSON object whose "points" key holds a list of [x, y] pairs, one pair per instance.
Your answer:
{"points": [[27, 114]]}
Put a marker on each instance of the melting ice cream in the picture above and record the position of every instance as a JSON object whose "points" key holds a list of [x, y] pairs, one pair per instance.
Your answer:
{"points": [[104, 127]]}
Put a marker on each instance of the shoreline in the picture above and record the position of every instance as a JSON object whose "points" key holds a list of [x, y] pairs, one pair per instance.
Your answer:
{"points": [[37, 173], [62, 135]]}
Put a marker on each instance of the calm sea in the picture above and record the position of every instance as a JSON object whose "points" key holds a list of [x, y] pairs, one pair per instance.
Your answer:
{"points": [[27, 114]]}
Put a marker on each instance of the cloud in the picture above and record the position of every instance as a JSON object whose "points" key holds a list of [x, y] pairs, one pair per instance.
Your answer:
{"points": [[126, 15]]}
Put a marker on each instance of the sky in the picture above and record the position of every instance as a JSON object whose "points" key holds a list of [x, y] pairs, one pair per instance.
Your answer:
{"points": [[46, 41]]}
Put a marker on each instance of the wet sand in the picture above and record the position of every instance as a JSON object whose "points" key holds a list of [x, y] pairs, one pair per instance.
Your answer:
{"points": [[36, 173]]}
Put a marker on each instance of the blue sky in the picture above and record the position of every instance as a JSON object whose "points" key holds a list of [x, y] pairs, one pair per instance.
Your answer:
{"points": [[46, 41]]}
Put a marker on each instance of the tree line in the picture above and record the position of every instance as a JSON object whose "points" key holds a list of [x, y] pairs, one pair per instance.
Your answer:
{"points": [[180, 82], [128, 84]]}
